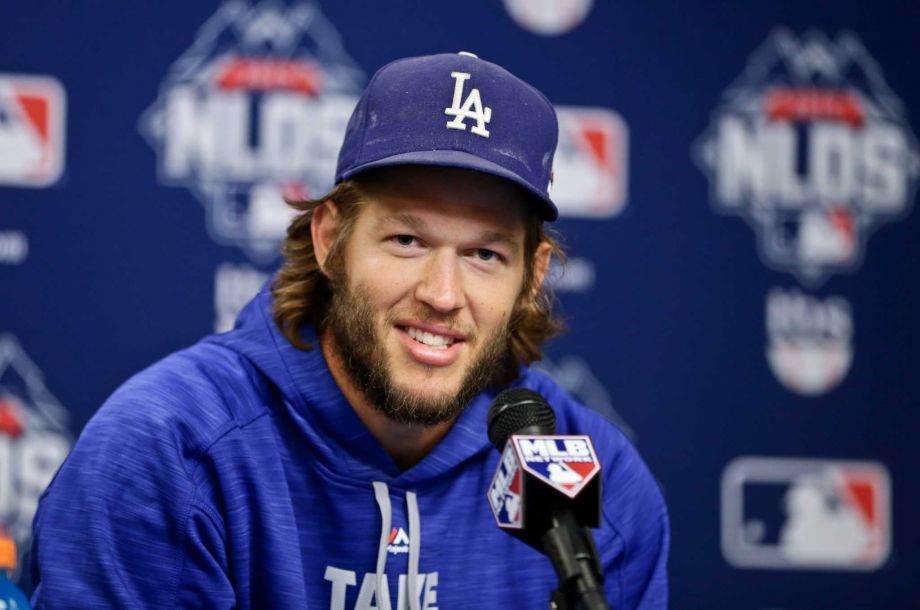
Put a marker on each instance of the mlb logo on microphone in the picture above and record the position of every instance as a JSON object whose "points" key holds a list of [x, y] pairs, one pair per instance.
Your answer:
{"points": [[566, 463], [32, 110], [806, 514], [505, 491]]}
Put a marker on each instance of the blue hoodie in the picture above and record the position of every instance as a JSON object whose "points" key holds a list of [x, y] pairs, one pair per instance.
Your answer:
{"points": [[234, 474]]}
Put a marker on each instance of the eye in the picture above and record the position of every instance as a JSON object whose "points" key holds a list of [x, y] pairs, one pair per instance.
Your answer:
{"points": [[404, 240], [486, 255]]}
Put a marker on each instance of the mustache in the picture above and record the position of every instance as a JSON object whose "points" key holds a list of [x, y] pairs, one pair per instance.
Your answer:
{"points": [[430, 316]]}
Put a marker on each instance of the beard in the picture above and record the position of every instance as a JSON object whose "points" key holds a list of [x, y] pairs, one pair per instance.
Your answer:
{"points": [[350, 321]]}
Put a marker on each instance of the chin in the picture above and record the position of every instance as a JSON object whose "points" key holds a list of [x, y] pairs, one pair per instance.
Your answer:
{"points": [[430, 389]]}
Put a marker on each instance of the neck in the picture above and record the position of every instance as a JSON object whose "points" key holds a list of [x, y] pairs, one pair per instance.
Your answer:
{"points": [[407, 444]]}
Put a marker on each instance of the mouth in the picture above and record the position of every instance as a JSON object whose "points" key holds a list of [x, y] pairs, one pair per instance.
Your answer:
{"points": [[432, 340], [429, 344]]}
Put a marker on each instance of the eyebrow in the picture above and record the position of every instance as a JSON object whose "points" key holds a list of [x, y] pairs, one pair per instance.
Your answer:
{"points": [[413, 222], [417, 224]]}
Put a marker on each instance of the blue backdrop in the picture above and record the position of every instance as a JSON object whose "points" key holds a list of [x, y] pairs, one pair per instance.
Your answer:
{"points": [[736, 184]]}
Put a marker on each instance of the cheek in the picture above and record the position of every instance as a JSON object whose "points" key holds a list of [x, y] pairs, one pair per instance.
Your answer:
{"points": [[495, 302], [382, 281]]}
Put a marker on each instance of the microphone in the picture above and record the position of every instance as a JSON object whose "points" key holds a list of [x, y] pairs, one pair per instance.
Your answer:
{"points": [[546, 492]]}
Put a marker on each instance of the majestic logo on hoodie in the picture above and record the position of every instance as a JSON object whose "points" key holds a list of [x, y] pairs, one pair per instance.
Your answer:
{"points": [[813, 150], [399, 541], [34, 440], [254, 110]]}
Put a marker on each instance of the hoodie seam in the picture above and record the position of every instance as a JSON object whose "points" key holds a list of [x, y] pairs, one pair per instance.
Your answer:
{"points": [[230, 428], [619, 536], [184, 528]]}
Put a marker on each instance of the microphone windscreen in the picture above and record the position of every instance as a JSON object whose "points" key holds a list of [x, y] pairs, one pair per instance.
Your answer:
{"points": [[518, 409]]}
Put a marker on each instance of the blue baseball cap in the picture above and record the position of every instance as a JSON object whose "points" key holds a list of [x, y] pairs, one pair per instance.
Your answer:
{"points": [[454, 110]]}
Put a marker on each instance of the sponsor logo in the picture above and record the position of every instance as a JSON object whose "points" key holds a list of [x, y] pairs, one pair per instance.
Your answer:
{"points": [[566, 463], [549, 17], [14, 247], [34, 440], [505, 491], [813, 150], [398, 541], [577, 275], [253, 111], [234, 286], [472, 108], [809, 340], [803, 514], [590, 166], [32, 113], [343, 583]]}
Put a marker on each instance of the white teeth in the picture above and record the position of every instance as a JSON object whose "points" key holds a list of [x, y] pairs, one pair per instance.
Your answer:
{"points": [[429, 339]]}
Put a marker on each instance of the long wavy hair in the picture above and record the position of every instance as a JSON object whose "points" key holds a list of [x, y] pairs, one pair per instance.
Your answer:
{"points": [[301, 292]]}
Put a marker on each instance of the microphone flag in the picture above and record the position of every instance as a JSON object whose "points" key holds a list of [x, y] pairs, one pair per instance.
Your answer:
{"points": [[537, 472]]}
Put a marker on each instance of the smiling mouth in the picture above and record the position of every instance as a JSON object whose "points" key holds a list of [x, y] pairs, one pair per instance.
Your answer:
{"points": [[432, 340]]}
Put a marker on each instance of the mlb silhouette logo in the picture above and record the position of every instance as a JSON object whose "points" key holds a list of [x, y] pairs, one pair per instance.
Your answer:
{"points": [[32, 114], [799, 514], [590, 168]]}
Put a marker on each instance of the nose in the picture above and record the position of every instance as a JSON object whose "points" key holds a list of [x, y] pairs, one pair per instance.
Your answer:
{"points": [[441, 284]]}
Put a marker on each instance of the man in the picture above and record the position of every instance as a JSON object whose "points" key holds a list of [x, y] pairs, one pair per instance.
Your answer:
{"points": [[331, 450]]}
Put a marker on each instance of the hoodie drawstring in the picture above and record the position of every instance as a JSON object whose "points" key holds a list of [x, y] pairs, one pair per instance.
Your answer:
{"points": [[382, 495], [415, 548]]}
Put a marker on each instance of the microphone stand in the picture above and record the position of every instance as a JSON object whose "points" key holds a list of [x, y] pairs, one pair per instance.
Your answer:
{"points": [[574, 556]]}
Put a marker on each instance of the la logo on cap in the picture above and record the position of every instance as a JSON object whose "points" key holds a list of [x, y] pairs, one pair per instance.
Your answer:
{"points": [[471, 108]]}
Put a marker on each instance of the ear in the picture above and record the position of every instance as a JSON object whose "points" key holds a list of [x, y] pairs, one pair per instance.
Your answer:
{"points": [[324, 227], [541, 260]]}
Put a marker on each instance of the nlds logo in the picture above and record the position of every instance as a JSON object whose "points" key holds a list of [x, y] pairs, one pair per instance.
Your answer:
{"points": [[256, 109], [813, 150], [34, 440]]}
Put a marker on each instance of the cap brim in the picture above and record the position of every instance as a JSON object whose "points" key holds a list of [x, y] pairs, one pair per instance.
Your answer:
{"points": [[545, 207]]}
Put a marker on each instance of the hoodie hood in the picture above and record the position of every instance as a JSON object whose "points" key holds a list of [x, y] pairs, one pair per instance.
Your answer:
{"points": [[319, 409]]}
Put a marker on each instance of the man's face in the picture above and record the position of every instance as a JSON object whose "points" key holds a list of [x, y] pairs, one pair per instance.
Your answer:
{"points": [[433, 270]]}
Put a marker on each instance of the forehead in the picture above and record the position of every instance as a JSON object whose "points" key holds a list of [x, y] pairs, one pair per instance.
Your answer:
{"points": [[455, 197]]}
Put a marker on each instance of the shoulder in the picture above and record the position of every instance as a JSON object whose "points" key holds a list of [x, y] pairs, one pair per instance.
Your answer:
{"points": [[182, 404]]}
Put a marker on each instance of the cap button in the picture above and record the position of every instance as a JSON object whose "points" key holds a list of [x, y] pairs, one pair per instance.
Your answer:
{"points": [[468, 54]]}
